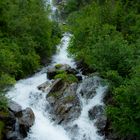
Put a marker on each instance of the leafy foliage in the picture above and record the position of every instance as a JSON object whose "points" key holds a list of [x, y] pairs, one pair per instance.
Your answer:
{"points": [[27, 40], [69, 78], [106, 37]]}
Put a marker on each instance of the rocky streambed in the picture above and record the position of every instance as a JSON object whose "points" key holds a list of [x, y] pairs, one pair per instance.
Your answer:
{"points": [[58, 102]]}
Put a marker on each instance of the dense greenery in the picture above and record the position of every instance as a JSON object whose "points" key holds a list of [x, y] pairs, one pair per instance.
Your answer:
{"points": [[106, 36], [27, 40]]}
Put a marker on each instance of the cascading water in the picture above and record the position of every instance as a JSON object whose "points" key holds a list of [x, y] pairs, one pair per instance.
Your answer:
{"points": [[26, 94]]}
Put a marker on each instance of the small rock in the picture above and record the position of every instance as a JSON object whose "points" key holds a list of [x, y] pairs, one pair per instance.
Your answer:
{"points": [[14, 107], [44, 86]]}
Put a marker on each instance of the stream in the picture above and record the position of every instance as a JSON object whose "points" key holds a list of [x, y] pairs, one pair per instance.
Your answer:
{"points": [[26, 94]]}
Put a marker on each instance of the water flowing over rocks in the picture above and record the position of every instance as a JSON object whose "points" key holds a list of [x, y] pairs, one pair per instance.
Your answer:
{"points": [[88, 87], [17, 121], [63, 110]]}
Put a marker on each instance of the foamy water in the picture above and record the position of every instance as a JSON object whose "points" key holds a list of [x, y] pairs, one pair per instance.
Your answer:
{"points": [[26, 94]]}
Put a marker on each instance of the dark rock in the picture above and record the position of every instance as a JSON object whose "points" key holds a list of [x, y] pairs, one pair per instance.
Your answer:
{"points": [[89, 86], [12, 135], [56, 85], [44, 86], [79, 77], [51, 72], [26, 120], [96, 112], [17, 122], [101, 122], [84, 67]]}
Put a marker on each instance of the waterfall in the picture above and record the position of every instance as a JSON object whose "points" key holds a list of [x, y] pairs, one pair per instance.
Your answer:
{"points": [[26, 93]]}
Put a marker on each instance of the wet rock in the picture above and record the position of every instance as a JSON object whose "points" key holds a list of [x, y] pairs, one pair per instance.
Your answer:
{"points": [[84, 67], [13, 136], [101, 122], [44, 87], [14, 107], [66, 105], [96, 112], [79, 77], [26, 120], [56, 85], [51, 72], [89, 86]]}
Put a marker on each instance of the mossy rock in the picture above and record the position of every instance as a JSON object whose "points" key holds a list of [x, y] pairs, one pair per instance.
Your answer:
{"points": [[58, 66], [56, 95], [69, 99], [69, 78]]}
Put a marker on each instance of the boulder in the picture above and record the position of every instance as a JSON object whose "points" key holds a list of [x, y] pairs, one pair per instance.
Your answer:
{"points": [[101, 122], [44, 87], [26, 120], [14, 107], [66, 105], [56, 85], [17, 121]]}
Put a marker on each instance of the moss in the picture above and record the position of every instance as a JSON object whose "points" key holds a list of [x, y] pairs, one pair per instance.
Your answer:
{"points": [[55, 94], [60, 71], [69, 78], [1, 129], [58, 66], [69, 99]]}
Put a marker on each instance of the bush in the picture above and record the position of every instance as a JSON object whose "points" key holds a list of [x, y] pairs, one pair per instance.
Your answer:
{"points": [[69, 78]]}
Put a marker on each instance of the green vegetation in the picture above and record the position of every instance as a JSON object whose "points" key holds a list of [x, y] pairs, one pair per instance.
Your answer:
{"points": [[69, 78], [58, 66], [69, 99], [107, 38], [27, 40]]}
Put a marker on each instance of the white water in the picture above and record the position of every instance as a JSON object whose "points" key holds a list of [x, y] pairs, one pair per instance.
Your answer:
{"points": [[87, 129], [62, 56], [26, 94]]}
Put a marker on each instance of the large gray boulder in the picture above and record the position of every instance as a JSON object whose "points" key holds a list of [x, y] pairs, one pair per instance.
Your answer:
{"points": [[66, 105]]}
